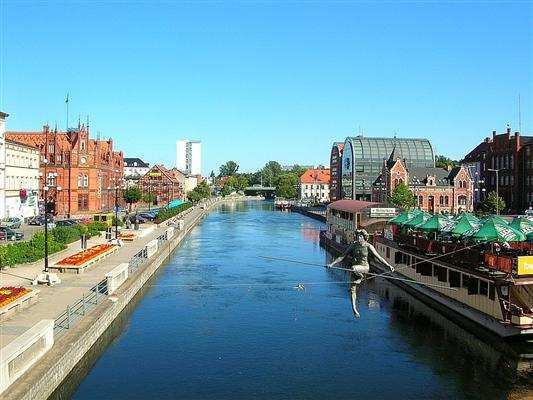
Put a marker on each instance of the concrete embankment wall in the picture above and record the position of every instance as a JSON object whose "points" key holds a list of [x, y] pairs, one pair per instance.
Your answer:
{"points": [[308, 213], [69, 350]]}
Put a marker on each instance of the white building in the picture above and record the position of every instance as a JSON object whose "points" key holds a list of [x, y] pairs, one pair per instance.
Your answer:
{"points": [[3, 117], [21, 180], [189, 156], [134, 169], [314, 185]]}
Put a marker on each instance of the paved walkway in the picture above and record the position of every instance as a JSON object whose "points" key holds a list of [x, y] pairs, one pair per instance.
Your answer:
{"points": [[53, 300]]}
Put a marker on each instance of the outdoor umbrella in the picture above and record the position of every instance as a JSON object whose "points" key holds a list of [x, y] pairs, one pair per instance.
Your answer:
{"points": [[404, 216], [418, 219], [435, 223], [522, 224], [496, 219], [468, 216], [493, 231]]}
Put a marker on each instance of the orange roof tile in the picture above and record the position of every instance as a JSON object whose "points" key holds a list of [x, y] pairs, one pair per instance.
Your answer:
{"points": [[320, 176]]}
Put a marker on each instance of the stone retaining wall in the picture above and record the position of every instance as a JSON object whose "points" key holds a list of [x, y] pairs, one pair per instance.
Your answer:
{"points": [[47, 374]]}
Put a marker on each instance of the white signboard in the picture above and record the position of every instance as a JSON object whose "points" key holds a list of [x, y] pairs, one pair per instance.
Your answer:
{"points": [[382, 212]]}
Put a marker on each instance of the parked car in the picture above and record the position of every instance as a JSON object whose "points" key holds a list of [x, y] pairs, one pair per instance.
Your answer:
{"points": [[38, 220], [13, 222], [149, 215], [9, 234], [66, 222]]}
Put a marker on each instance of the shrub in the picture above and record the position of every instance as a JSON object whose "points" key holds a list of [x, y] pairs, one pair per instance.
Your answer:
{"points": [[166, 213]]}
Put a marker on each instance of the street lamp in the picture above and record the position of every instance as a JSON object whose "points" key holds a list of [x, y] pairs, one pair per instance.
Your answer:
{"points": [[497, 171]]}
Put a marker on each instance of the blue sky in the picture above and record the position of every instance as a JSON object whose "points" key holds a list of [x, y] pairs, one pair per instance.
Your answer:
{"points": [[268, 80]]}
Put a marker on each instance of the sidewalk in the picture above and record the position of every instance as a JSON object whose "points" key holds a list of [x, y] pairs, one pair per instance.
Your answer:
{"points": [[53, 300]]}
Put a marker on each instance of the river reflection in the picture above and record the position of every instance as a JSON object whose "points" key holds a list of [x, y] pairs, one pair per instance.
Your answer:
{"points": [[221, 323]]}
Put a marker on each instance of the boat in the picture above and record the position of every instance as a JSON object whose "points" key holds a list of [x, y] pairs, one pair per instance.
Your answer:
{"points": [[484, 286], [282, 204]]}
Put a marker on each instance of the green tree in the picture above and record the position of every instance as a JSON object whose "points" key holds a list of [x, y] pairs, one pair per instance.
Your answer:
{"points": [[493, 204], [132, 195], [148, 198], [286, 186], [402, 197], [271, 172], [229, 168], [237, 182], [445, 162], [227, 190], [201, 191]]}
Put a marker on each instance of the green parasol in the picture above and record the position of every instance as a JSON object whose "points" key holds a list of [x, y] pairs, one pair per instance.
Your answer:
{"points": [[493, 231], [462, 226], [496, 218], [468, 216], [522, 224], [404, 216], [435, 223], [418, 219]]}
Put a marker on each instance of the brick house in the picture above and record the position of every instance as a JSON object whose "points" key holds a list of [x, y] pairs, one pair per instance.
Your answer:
{"points": [[437, 190], [335, 167], [512, 156], [81, 172], [163, 184]]}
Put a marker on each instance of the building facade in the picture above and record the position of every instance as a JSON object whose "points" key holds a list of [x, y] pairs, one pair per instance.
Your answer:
{"points": [[134, 169], [162, 184], [436, 190], [21, 180], [314, 185], [362, 161], [189, 157], [335, 167], [510, 155], [78, 175], [3, 117]]}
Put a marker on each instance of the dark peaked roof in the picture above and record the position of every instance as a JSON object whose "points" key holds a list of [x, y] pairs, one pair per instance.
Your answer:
{"points": [[394, 155], [130, 162]]}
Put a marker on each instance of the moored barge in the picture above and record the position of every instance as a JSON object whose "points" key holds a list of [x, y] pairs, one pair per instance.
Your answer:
{"points": [[482, 286]]}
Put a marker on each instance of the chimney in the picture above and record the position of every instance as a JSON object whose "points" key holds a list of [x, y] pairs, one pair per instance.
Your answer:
{"points": [[494, 133], [508, 131]]}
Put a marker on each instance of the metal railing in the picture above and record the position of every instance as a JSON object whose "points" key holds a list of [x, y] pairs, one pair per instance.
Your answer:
{"points": [[98, 293], [75, 311]]}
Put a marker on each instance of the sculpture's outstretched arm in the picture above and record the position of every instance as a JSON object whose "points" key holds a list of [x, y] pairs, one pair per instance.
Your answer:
{"points": [[378, 256]]}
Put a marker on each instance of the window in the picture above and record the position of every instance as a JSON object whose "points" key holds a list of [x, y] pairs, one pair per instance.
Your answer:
{"points": [[483, 288], [80, 180], [85, 181], [420, 201], [455, 279], [83, 202], [461, 200], [446, 200]]}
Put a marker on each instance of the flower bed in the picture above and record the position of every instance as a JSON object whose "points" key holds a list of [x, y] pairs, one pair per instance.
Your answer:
{"points": [[127, 236], [86, 255], [8, 294]]}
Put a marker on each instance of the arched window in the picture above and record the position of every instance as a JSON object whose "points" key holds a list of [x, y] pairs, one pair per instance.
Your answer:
{"points": [[461, 200], [420, 201], [80, 180], [446, 200], [85, 181], [441, 200]]}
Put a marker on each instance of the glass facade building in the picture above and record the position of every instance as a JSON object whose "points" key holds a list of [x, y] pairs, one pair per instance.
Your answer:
{"points": [[362, 161]]}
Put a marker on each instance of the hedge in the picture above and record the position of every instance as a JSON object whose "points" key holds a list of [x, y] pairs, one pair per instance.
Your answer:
{"points": [[166, 213], [58, 238]]}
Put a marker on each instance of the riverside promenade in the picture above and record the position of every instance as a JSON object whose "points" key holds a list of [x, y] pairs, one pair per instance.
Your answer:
{"points": [[71, 344]]}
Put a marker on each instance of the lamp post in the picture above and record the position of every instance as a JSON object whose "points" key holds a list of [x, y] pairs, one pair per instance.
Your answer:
{"points": [[497, 171]]}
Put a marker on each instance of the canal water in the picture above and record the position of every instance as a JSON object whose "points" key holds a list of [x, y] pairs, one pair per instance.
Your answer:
{"points": [[219, 322]]}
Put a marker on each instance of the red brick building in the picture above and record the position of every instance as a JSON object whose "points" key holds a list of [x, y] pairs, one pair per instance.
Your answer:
{"points": [[81, 172], [436, 189], [512, 155], [163, 184], [335, 166]]}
